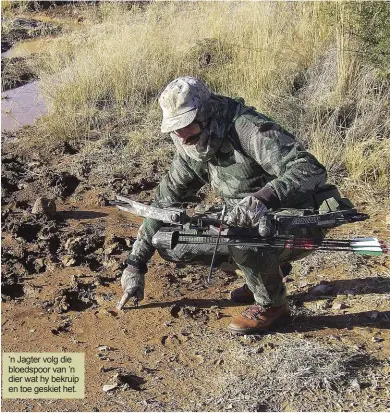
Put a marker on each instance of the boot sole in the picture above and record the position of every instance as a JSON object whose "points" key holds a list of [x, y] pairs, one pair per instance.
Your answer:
{"points": [[243, 302], [243, 331]]}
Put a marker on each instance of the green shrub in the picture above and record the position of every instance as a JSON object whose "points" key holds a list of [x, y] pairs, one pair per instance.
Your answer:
{"points": [[369, 23]]}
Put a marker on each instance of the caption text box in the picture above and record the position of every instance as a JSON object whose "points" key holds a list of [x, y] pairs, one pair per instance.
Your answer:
{"points": [[43, 375]]}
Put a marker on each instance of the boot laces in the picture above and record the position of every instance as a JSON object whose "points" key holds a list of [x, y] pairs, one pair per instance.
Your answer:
{"points": [[254, 312]]}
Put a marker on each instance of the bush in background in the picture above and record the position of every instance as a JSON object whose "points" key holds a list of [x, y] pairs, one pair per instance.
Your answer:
{"points": [[370, 24]]}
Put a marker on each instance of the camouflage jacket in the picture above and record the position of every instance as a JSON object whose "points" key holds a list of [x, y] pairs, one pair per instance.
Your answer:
{"points": [[256, 157]]}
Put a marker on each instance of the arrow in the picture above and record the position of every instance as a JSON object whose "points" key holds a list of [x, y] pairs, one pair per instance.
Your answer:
{"points": [[363, 246]]}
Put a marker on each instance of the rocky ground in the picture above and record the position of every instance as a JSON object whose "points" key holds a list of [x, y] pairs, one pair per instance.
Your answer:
{"points": [[61, 266], [60, 284]]}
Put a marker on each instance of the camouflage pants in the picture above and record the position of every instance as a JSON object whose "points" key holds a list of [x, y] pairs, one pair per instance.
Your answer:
{"points": [[261, 267], [262, 272]]}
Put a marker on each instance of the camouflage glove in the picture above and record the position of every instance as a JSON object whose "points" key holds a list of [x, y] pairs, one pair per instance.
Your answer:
{"points": [[133, 282], [247, 213]]}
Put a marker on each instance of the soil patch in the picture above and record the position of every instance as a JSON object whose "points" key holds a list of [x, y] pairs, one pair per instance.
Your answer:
{"points": [[16, 71], [14, 30]]}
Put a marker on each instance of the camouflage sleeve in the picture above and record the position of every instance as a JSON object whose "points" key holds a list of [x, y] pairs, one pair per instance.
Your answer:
{"points": [[298, 174], [184, 177]]}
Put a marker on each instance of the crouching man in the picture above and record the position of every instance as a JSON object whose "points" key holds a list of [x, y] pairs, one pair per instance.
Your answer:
{"points": [[254, 165]]}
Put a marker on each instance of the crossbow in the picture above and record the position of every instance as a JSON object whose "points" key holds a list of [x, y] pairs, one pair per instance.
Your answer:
{"points": [[275, 230]]}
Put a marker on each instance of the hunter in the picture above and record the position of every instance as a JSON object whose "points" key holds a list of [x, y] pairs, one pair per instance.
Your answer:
{"points": [[254, 165]]}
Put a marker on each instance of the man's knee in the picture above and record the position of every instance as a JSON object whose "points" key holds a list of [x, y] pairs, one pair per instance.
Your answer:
{"points": [[259, 260]]}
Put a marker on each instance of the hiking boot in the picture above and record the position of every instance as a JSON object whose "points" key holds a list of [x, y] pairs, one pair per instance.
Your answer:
{"points": [[256, 319], [242, 295]]}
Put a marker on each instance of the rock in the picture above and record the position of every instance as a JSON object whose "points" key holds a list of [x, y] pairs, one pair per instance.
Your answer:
{"points": [[199, 358], [74, 245], [148, 349], [64, 183], [128, 381], [102, 200], [377, 339], [112, 264], [104, 348], [339, 306], [113, 248], [31, 290], [104, 369], [112, 313], [321, 289], [109, 387], [45, 206], [61, 304], [115, 245], [68, 261], [129, 242], [40, 265], [355, 385]]}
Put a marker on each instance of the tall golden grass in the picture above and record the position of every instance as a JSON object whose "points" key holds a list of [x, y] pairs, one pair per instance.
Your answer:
{"points": [[293, 61]]}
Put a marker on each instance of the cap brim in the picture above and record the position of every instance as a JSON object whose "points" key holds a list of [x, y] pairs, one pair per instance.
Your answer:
{"points": [[178, 122]]}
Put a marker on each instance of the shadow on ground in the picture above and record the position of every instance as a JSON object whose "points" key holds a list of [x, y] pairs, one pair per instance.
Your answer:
{"points": [[298, 323], [357, 286], [80, 214]]}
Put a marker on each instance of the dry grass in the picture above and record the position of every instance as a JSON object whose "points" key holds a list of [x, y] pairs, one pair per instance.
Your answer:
{"points": [[9, 7], [134, 54], [290, 60], [295, 375], [369, 161]]}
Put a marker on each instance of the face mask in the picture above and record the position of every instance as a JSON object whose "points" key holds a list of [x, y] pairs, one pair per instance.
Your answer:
{"points": [[209, 141], [193, 140]]}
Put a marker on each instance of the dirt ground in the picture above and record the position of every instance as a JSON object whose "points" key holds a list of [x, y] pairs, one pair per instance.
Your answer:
{"points": [[61, 283]]}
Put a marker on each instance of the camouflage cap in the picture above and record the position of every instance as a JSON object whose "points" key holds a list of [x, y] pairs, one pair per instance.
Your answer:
{"points": [[180, 102]]}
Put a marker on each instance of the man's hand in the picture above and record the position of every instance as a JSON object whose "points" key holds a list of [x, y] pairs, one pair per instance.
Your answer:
{"points": [[247, 213], [133, 282]]}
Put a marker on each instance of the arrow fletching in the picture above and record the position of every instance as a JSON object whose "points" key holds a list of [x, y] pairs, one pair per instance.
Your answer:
{"points": [[368, 246]]}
